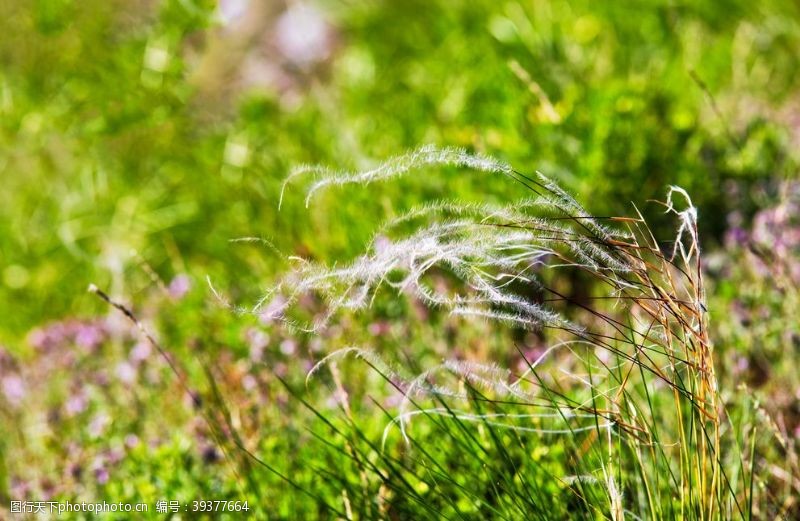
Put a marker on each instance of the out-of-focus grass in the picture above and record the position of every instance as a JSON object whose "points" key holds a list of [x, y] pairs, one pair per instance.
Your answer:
{"points": [[137, 138], [116, 118]]}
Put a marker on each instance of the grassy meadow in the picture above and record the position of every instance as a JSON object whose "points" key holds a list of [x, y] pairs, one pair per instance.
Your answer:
{"points": [[439, 259]]}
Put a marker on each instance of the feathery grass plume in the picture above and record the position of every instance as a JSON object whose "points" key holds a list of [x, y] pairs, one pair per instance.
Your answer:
{"points": [[423, 156], [632, 355]]}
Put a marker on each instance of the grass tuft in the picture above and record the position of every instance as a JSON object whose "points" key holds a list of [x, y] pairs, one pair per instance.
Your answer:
{"points": [[628, 375]]}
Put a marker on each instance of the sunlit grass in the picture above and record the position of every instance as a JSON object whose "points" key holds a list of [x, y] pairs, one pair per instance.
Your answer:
{"points": [[635, 359]]}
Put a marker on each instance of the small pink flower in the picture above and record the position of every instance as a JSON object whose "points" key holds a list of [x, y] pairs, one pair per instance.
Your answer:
{"points": [[37, 338], [140, 352], [19, 488], [303, 36], [316, 345], [231, 10], [126, 372], [380, 328], [131, 441], [735, 237], [76, 404], [179, 286], [393, 400], [288, 347], [101, 475], [89, 336], [249, 382], [13, 389], [742, 364], [258, 340]]}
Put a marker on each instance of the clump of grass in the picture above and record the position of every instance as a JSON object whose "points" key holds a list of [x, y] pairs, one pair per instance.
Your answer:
{"points": [[628, 378]]}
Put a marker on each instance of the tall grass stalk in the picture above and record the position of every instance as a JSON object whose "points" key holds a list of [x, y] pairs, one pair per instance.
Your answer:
{"points": [[631, 352]]}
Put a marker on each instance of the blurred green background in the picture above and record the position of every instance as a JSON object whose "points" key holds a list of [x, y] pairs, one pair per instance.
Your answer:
{"points": [[137, 138], [154, 132]]}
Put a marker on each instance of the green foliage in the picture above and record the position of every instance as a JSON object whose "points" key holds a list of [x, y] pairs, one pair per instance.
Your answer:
{"points": [[138, 138], [111, 140]]}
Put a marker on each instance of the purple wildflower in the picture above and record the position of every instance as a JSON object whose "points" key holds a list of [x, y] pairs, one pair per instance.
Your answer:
{"points": [[88, 336], [13, 389], [126, 372], [736, 237], [76, 404], [288, 347], [131, 441], [249, 382], [101, 475], [379, 328], [258, 340], [303, 36], [231, 10], [140, 352], [179, 286]]}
